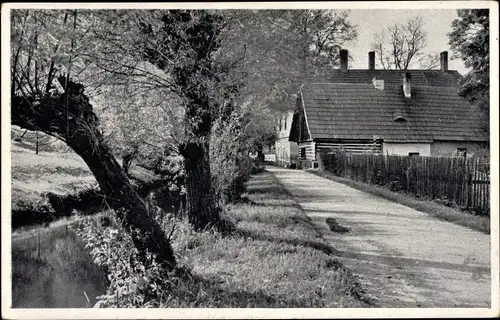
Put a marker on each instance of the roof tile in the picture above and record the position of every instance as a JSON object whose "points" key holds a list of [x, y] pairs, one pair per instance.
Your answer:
{"points": [[359, 111]]}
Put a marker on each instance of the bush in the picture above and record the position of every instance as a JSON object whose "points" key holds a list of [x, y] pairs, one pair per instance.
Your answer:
{"points": [[134, 281], [171, 168], [229, 175], [230, 161], [257, 167], [171, 194]]}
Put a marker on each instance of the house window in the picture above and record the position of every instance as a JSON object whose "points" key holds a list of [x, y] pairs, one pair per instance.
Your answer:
{"points": [[302, 153], [462, 152], [413, 154], [285, 122]]}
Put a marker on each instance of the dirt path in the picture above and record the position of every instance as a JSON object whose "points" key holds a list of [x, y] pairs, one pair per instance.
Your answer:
{"points": [[403, 257]]}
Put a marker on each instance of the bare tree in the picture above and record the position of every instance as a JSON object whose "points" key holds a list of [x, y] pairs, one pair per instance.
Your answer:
{"points": [[429, 61], [402, 45]]}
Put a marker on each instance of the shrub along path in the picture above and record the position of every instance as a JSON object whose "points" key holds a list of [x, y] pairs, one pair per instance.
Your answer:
{"points": [[403, 257]]}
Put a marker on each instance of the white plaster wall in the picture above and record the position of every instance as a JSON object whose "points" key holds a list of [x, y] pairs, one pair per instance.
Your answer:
{"points": [[286, 151], [402, 149], [449, 149], [285, 118]]}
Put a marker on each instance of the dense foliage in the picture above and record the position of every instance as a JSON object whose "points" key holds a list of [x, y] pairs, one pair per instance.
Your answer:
{"points": [[231, 164], [469, 41]]}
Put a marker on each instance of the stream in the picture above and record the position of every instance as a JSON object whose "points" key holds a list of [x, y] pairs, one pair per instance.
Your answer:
{"points": [[51, 268]]}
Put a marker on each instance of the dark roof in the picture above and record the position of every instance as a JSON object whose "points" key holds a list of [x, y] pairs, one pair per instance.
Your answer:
{"points": [[393, 77], [451, 78], [359, 111]]}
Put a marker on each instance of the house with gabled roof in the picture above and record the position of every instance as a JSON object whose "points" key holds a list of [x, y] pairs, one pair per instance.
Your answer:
{"points": [[393, 112]]}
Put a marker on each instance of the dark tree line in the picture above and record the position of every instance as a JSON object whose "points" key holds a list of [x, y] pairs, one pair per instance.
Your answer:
{"points": [[470, 41]]}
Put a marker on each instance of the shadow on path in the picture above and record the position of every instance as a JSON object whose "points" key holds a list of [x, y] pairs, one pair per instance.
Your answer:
{"points": [[295, 242]]}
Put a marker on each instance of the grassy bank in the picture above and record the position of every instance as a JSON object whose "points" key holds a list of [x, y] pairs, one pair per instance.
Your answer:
{"points": [[48, 185], [435, 209], [275, 259], [36, 175]]}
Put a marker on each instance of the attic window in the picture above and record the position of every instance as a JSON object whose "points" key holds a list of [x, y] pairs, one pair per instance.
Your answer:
{"points": [[398, 116]]}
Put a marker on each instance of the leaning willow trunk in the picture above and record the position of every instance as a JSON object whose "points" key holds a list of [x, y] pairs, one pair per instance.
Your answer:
{"points": [[145, 231], [201, 204], [69, 116]]}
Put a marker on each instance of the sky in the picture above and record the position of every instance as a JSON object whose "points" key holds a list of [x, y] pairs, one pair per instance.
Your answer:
{"points": [[437, 24]]}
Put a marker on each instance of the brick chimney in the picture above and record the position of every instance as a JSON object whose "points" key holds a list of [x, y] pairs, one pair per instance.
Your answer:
{"points": [[407, 85], [444, 61], [371, 60], [344, 56]]}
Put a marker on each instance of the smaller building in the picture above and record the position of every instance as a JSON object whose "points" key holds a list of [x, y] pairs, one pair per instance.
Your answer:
{"points": [[286, 150]]}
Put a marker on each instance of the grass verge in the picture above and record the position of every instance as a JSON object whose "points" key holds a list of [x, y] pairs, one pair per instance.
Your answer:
{"points": [[276, 259], [437, 210]]}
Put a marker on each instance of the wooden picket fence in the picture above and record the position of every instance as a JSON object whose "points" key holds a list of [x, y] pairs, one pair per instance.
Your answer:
{"points": [[454, 180]]}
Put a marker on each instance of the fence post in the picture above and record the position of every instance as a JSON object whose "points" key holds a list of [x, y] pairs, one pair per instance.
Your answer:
{"points": [[468, 203], [321, 165], [38, 245]]}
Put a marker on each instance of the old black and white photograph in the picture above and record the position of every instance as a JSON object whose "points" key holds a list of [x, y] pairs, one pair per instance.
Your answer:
{"points": [[297, 160]]}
